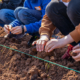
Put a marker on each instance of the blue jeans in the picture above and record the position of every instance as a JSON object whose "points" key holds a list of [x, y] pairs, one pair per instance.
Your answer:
{"points": [[27, 16], [7, 16]]}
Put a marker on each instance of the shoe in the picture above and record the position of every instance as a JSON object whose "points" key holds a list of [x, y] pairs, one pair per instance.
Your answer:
{"points": [[67, 55], [33, 38]]}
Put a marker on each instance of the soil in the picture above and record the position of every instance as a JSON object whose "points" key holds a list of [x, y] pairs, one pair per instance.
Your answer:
{"points": [[17, 66]]}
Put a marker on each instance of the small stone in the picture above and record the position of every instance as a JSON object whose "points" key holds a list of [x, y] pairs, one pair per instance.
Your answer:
{"points": [[52, 73], [46, 58], [15, 69], [52, 58], [43, 75]]}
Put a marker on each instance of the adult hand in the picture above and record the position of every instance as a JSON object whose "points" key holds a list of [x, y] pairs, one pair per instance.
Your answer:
{"points": [[58, 43], [40, 44], [77, 51], [76, 47], [17, 30], [7, 28], [53, 44]]}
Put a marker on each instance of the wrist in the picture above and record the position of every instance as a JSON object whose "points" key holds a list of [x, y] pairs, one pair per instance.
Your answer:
{"points": [[25, 29], [67, 39], [44, 37]]}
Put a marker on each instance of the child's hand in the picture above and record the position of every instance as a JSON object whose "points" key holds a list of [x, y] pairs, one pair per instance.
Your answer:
{"points": [[16, 30], [41, 43], [7, 28]]}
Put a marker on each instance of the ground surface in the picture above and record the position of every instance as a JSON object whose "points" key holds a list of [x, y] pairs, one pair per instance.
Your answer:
{"points": [[17, 66]]}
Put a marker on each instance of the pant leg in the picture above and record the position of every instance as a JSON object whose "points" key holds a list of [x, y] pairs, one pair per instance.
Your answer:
{"points": [[57, 12], [16, 11], [28, 16], [73, 12], [7, 16]]}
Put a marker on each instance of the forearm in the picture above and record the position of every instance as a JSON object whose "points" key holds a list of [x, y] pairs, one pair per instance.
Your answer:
{"points": [[44, 37], [67, 39]]}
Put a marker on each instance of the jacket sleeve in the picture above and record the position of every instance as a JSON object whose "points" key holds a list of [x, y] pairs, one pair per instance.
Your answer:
{"points": [[34, 27], [75, 34], [12, 4], [47, 26], [15, 23]]}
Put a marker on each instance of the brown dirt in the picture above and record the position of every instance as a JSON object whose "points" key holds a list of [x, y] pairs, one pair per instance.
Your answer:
{"points": [[17, 66]]}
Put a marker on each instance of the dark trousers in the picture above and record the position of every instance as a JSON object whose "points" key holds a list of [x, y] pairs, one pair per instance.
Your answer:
{"points": [[64, 18]]}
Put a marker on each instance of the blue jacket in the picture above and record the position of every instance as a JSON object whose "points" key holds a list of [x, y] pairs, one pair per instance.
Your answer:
{"points": [[32, 4]]}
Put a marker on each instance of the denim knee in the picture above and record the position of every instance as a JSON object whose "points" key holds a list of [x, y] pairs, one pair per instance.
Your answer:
{"points": [[16, 11], [24, 15], [5, 16]]}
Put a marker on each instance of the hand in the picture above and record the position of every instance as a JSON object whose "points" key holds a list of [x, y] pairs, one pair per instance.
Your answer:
{"points": [[16, 30], [7, 28], [53, 44], [41, 43], [76, 47], [77, 51], [58, 43]]}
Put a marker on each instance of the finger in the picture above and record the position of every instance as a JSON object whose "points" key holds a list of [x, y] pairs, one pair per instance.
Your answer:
{"points": [[37, 46], [15, 32], [34, 43], [49, 46], [6, 30], [14, 28], [77, 46], [48, 43], [52, 48], [77, 60], [6, 27], [43, 44], [76, 51], [76, 57], [10, 27]]}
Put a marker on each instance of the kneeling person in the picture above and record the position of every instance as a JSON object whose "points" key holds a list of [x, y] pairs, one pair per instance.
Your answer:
{"points": [[28, 18], [65, 17]]}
